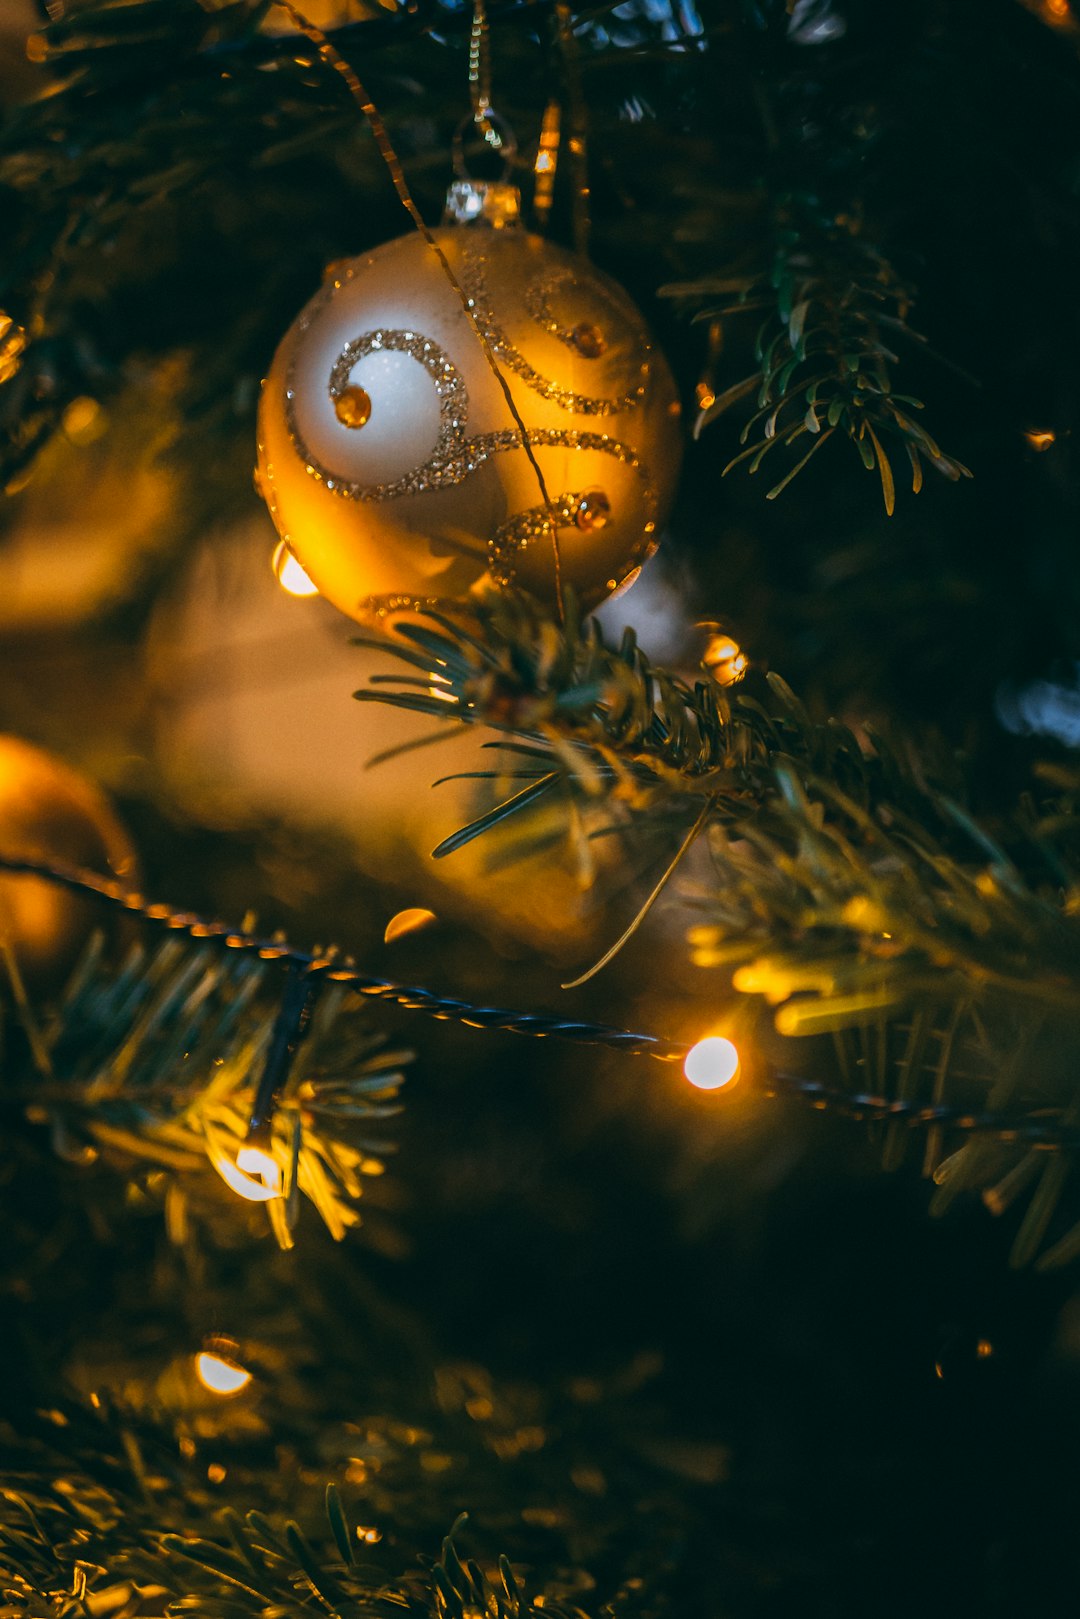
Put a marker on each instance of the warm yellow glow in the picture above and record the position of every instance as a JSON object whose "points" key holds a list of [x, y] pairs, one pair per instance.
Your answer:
{"points": [[84, 420], [984, 1349], [1058, 8], [216, 1473], [725, 660], [289, 574], [258, 1163], [712, 1063], [219, 1375], [1040, 439], [704, 396], [13, 342], [407, 922]]}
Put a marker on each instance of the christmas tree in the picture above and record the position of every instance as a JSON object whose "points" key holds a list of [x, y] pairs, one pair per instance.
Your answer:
{"points": [[633, 1177]]}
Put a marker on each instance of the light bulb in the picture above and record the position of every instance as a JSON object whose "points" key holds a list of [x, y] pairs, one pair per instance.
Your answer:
{"points": [[219, 1375], [725, 660], [712, 1063], [255, 1161], [289, 574]]}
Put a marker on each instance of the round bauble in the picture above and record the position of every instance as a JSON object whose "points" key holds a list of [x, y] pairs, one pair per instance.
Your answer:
{"points": [[391, 462], [50, 813]]}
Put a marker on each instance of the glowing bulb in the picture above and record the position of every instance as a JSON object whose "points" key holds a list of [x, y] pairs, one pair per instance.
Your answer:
{"points": [[725, 660], [712, 1063], [1041, 439], [219, 1375], [289, 574], [260, 1165]]}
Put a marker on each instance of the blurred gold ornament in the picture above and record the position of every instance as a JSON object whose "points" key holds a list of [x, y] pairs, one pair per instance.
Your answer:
{"points": [[50, 813], [437, 498], [1040, 439], [547, 162], [725, 659], [13, 342]]}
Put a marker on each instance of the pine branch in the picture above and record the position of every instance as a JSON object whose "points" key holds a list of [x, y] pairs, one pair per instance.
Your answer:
{"points": [[851, 890], [832, 310], [812, 832], [100, 1516], [154, 1068], [83, 1549]]}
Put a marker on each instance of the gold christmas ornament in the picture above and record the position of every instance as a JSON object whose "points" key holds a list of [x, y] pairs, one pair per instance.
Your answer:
{"points": [[390, 460], [51, 813]]}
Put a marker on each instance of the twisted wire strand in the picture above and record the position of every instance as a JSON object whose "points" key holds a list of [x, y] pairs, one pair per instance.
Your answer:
{"points": [[333, 969], [1044, 1129]]}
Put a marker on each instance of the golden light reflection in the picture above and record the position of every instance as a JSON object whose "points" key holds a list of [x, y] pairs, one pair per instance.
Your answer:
{"points": [[725, 659], [1040, 439], [408, 921], [712, 1063], [439, 689], [220, 1376], [13, 343], [289, 574]]}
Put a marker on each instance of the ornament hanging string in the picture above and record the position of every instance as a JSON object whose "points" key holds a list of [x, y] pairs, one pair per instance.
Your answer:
{"points": [[480, 75], [333, 58]]}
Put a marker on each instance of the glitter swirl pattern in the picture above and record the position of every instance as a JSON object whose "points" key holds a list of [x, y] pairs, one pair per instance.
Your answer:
{"points": [[537, 299], [455, 456]]}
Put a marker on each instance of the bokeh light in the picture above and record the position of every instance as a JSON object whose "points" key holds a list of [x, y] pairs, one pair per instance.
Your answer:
{"points": [[712, 1063]]}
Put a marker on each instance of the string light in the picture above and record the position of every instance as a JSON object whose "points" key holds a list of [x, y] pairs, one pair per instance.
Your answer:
{"points": [[220, 1375], [260, 1164], [712, 1063], [725, 659], [289, 574]]}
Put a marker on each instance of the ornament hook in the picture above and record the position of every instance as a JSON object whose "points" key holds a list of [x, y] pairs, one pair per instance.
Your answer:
{"points": [[471, 201], [495, 203]]}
